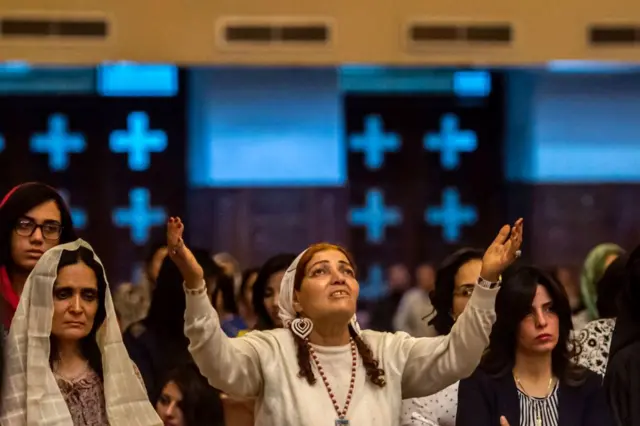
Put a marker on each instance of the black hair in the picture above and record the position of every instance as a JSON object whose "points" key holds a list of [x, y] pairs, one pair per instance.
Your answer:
{"points": [[629, 295], [513, 304], [88, 344], [18, 202], [201, 404], [246, 275], [166, 312], [224, 285], [442, 295], [273, 265], [609, 287]]}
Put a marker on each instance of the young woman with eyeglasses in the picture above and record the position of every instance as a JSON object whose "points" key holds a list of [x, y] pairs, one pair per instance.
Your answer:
{"points": [[33, 219], [455, 282]]}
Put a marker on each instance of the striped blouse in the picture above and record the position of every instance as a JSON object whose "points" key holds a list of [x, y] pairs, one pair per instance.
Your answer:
{"points": [[539, 411]]}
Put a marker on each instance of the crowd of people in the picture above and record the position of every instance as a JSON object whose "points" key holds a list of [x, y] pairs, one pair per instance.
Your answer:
{"points": [[484, 339]]}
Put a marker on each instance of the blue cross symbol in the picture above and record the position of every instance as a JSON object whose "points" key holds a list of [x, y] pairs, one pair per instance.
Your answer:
{"points": [[374, 287], [138, 141], [375, 216], [452, 216], [78, 215], [2, 144], [58, 143], [139, 216], [451, 141], [374, 142]]}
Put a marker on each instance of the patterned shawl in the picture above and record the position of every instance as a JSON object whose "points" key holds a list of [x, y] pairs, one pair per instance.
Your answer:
{"points": [[30, 394]]}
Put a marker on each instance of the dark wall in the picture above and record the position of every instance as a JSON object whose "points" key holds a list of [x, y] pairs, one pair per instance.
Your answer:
{"points": [[97, 179]]}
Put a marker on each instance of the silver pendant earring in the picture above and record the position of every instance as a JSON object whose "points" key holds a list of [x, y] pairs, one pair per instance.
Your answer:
{"points": [[355, 325], [301, 327]]}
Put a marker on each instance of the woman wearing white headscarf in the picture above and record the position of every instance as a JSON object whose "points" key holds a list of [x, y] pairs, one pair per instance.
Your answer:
{"points": [[66, 364], [364, 374]]}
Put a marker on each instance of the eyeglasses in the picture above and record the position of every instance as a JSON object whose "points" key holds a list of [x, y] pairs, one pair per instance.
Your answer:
{"points": [[50, 230]]}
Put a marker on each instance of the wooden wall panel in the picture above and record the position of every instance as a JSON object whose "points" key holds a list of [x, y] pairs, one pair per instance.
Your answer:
{"points": [[253, 224], [566, 221], [365, 32]]}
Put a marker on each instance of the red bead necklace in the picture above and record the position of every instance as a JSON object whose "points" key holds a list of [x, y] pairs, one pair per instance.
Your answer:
{"points": [[341, 413]]}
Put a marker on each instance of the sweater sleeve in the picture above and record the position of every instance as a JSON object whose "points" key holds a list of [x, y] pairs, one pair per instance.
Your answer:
{"points": [[231, 365], [433, 363]]}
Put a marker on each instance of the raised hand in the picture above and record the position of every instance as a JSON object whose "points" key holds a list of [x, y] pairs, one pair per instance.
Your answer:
{"points": [[181, 255], [503, 421], [502, 251]]}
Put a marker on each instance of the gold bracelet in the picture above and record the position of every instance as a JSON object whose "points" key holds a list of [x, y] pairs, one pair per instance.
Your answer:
{"points": [[195, 291]]}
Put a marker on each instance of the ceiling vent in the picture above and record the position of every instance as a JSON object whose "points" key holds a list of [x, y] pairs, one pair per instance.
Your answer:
{"points": [[607, 35], [33, 27], [432, 34], [273, 33]]}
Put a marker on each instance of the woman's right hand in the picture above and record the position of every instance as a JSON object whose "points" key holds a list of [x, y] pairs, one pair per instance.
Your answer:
{"points": [[502, 252], [184, 259]]}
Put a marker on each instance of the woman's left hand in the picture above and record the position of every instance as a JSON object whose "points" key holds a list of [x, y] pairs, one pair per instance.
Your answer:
{"points": [[502, 252]]}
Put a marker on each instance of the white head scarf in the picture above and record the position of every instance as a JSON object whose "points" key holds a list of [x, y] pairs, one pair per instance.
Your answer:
{"points": [[30, 393], [287, 313]]}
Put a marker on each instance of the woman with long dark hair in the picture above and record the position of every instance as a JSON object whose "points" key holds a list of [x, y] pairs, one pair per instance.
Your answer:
{"points": [[245, 297], [66, 363], [455, 282], [528, 375], [266, 290], [187, 399], [623, 370], [33, 219], [224, 300], [157, 343]]}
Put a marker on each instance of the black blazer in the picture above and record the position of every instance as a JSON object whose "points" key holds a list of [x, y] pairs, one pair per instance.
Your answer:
{"points": [[483, 399]]}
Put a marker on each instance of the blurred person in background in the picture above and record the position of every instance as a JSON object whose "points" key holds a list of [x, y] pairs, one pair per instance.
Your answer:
{"points": [[528, 375], [265, 293], [231, 267], [595, 338], [66, 363], [133, 300], [385, 308], [416, 304], [157, 344], [566, 276], [224, 300], [622, 378], [245, 297], [266, 290], [455, 281], [187, 399], [33, 219], [595, 264]]}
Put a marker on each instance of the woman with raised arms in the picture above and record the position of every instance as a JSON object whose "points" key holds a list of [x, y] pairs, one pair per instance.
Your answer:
{"points": [[321, 368]]}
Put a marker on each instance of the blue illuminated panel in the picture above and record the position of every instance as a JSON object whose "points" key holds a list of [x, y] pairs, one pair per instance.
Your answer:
{"points": [[18, 78], [265, 127], [472, 83], [574, 128], [130, 79]]}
